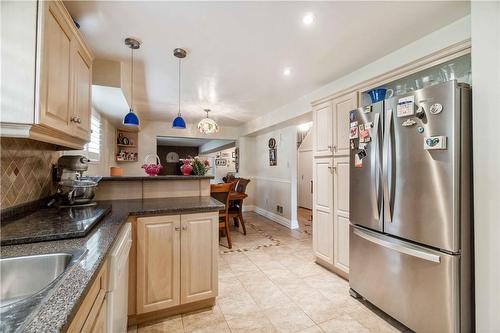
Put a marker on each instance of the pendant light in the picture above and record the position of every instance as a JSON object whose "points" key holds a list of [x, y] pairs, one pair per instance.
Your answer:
{"points": [[131, 118], [179, 122], [207, 125]]}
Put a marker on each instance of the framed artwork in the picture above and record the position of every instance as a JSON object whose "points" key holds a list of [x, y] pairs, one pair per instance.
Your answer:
{"points": [[272, 157], [220, 162]]}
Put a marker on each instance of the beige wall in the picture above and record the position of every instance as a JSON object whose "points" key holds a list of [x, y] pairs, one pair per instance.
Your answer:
{"points": [[486, 117], [271, 185]]}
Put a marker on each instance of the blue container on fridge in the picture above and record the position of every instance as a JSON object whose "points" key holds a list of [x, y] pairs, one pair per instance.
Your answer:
{"points": [[379, 94]]}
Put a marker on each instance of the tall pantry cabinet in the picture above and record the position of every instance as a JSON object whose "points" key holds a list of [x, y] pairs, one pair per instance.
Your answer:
{"points": [[331, 180]]}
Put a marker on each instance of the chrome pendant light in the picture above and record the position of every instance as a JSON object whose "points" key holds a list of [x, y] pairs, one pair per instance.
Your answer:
{"points": [[179, 122], [207, 125], [131, 118]]}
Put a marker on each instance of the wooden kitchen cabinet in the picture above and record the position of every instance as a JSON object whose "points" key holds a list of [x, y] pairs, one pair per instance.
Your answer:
{"points": [[323, 209], [55, 70], [341, 215], [91, 315], [158, 262], [176, 264], [47, 94], [82, 86], [199, 247]]}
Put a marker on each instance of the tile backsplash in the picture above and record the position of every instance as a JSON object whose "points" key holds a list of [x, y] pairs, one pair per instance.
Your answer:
{"points": [[25, 170]]}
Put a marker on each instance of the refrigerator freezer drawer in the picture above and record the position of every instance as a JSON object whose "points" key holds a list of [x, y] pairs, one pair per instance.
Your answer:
{"points": [[417, 286]]}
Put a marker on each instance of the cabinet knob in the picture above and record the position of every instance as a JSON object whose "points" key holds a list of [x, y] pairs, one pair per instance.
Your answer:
{"points": [[79, 120], [334, 148], [184, 228], [74, 119], [177, 228]]}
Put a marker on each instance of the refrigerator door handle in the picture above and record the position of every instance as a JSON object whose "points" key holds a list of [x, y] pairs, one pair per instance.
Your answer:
{"points": [[375, 167], [387, 167], [398, 247]]}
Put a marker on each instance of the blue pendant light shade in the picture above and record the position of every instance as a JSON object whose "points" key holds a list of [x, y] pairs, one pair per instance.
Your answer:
{"points": [[131, 119], [179, 122]]}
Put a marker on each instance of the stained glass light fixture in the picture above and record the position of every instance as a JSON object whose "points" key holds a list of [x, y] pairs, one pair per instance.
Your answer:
{"points": [[208, 125], [131, 118], [179, 122]]}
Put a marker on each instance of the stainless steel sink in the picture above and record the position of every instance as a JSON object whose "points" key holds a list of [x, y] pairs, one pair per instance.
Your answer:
{"points": [[25, 276]]}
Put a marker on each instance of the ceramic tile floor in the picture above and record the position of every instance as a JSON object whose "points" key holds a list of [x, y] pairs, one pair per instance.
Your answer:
{"points": [[277, 288]]}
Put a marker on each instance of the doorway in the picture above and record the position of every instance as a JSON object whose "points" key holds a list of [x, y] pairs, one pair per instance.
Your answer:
{"points": [[305, 184]]}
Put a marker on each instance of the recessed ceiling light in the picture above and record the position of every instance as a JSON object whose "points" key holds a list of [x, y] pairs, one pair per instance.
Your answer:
{"points": [[287, 71], [308, 19]]}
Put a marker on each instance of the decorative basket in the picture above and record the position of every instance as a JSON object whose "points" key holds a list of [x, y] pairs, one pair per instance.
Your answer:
{"points": [[152, 165]]}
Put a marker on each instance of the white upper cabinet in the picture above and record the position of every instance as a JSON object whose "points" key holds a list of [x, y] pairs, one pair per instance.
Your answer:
{"points": [[323, 121], [341, 107], [331, 125], [46, 88]]}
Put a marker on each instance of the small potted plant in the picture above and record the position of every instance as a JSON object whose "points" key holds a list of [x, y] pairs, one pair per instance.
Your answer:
{"points": [[200, 167]]}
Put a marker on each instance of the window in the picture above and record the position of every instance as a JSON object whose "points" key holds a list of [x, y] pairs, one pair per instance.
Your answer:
{"points": [[93, 148]]}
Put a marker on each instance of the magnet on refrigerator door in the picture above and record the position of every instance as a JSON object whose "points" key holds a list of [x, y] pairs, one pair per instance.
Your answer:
{"points": [[354, 133], [351, 115], [406, 106], [358, 163], [367, 109]]}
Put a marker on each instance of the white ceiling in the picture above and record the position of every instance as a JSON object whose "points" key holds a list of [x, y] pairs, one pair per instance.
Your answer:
{"points": [[237, 50]]}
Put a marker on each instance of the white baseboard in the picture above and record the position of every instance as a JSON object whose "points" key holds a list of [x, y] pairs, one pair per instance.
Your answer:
{"points": [[274, 217], [292, 224], [248, 208]]}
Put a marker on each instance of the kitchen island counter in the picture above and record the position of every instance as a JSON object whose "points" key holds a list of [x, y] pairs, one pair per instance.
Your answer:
{"points": [[59, 306]]}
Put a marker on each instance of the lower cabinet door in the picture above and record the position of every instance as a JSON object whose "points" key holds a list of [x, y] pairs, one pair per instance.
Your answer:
{"points": [[158, 262], [323, 209], [341, 215], [199, 253], [100, 324]]}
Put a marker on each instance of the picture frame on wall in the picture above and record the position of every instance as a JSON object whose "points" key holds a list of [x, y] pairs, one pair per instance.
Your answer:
{"points": [[272, 157], [220, 162]]}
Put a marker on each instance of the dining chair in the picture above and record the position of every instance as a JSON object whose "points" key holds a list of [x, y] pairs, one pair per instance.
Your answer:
{"points": [[221, 192], [236, 207]]}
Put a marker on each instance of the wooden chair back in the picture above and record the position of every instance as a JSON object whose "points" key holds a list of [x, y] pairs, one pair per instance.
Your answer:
{"points": [[220, 192], [241, 187]]}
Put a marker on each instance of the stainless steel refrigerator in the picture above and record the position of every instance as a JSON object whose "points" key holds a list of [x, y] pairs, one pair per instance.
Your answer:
{"points": [[411, 208]]}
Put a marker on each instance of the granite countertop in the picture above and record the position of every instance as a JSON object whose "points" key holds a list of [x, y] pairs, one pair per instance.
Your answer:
{"points": [[141, 178], [58, 307]]}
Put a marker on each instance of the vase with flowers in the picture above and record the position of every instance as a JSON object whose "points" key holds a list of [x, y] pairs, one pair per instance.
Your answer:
{"points": [[195, 165], [186, 167]]}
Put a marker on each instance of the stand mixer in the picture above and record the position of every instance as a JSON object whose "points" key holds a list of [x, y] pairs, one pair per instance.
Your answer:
{"points": [[72, 187]]}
